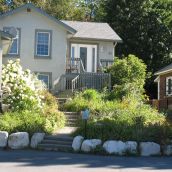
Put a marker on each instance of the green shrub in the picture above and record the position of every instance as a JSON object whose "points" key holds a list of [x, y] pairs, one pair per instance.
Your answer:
{"points": [[20, 87], [128, 77], [54, 118], [31, 122], [22, 121], [128, 124], [48, 99], [126, 119], [90, 94], [130, 69]]}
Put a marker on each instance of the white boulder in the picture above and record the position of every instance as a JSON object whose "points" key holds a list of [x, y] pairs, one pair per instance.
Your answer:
{"points": [[36, 139], [77, 142], [167, 150], [115, 147], [18, 140], [149, 149], [3, 139], [131, 147], [89, 145]]}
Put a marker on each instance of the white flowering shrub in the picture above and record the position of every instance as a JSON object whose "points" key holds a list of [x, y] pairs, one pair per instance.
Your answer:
{"points": [[21, 88]]}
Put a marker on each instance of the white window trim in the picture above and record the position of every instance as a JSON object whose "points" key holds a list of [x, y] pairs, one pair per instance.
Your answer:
{"points": [[48, 44], [167, 78], [40, 74]]}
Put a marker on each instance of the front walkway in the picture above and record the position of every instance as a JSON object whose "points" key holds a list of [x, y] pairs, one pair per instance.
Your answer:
{"points": [[65, 131], [37, 161]]}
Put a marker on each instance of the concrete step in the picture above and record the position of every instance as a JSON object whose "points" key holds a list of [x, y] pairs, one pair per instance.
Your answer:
{"points": [[55, 147], [65, 94], [72, 118], [61, 137], [57, 142], [62, 100]]}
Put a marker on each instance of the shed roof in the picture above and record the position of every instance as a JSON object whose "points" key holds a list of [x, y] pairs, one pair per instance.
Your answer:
{"points": [[93, 30], [166, 69]]}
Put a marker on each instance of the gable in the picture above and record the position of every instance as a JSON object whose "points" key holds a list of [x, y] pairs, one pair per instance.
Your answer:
{"points": [[29, 7]]}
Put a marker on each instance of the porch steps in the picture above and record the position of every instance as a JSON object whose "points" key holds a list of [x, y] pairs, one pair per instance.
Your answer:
{"points": [[59, 142], [65, 94], [72, 118], [61, 102]]}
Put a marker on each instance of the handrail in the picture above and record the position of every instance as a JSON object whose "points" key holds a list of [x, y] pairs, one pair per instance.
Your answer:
{"points": [[101, 66], [75, 64], [74, 82], [82, 65]]}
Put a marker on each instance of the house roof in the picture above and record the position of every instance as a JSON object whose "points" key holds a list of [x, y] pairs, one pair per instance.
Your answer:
{"points": [[164, 70], [92, 30], [30, 5], [81, 30], [5, 35]]}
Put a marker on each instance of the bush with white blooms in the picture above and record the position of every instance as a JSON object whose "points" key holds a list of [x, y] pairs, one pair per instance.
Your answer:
{"points": [[20, 87]]}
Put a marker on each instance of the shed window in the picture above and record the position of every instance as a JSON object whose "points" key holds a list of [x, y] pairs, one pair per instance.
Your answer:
{"points": [[169, 86]]}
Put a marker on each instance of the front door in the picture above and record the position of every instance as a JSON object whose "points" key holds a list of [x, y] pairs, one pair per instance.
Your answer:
{"points": [[87, 53], [83, 56]]}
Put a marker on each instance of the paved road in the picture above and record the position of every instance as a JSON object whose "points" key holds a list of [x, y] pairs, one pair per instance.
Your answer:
{"points": [[37, 161]]}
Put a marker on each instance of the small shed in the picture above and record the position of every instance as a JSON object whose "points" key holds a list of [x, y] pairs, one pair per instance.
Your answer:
{"points": [[164, 81]]}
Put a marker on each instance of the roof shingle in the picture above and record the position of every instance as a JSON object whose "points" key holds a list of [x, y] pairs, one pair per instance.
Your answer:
{"points": [[92, 30], [164, 70]]}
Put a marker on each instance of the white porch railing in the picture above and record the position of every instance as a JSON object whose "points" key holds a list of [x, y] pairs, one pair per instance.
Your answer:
{"points": [[82, 81]]}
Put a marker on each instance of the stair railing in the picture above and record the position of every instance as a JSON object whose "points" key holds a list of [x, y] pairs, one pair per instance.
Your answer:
{"points": [[75, 83], [82, 66]]}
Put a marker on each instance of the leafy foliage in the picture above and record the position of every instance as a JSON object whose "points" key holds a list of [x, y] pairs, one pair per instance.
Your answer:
{"points": [[21, 87], [24, 121], [128, 119], [45, 120], [145, 27], [61, 9], [33, 108], [128, 77], [130, 69], [31, 122]]}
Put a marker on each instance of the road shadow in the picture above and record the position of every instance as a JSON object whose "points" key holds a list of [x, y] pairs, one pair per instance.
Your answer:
{"points": [[46, 158]]}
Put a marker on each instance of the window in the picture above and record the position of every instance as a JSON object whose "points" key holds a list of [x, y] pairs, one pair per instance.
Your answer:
{"points": [[45, 78], [93, 60], [106, 62], [169, 86], [73, 56], [43, 43], [14, 49]]}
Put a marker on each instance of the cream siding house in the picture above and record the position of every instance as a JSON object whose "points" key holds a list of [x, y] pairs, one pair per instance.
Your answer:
{"points": [[52, 48]]}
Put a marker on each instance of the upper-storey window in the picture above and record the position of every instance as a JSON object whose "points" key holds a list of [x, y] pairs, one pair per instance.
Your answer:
{"points": [[43, 43], [15, 47]]}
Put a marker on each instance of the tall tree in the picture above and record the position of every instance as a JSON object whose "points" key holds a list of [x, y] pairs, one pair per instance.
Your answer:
{"points": [[145, 27]]}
